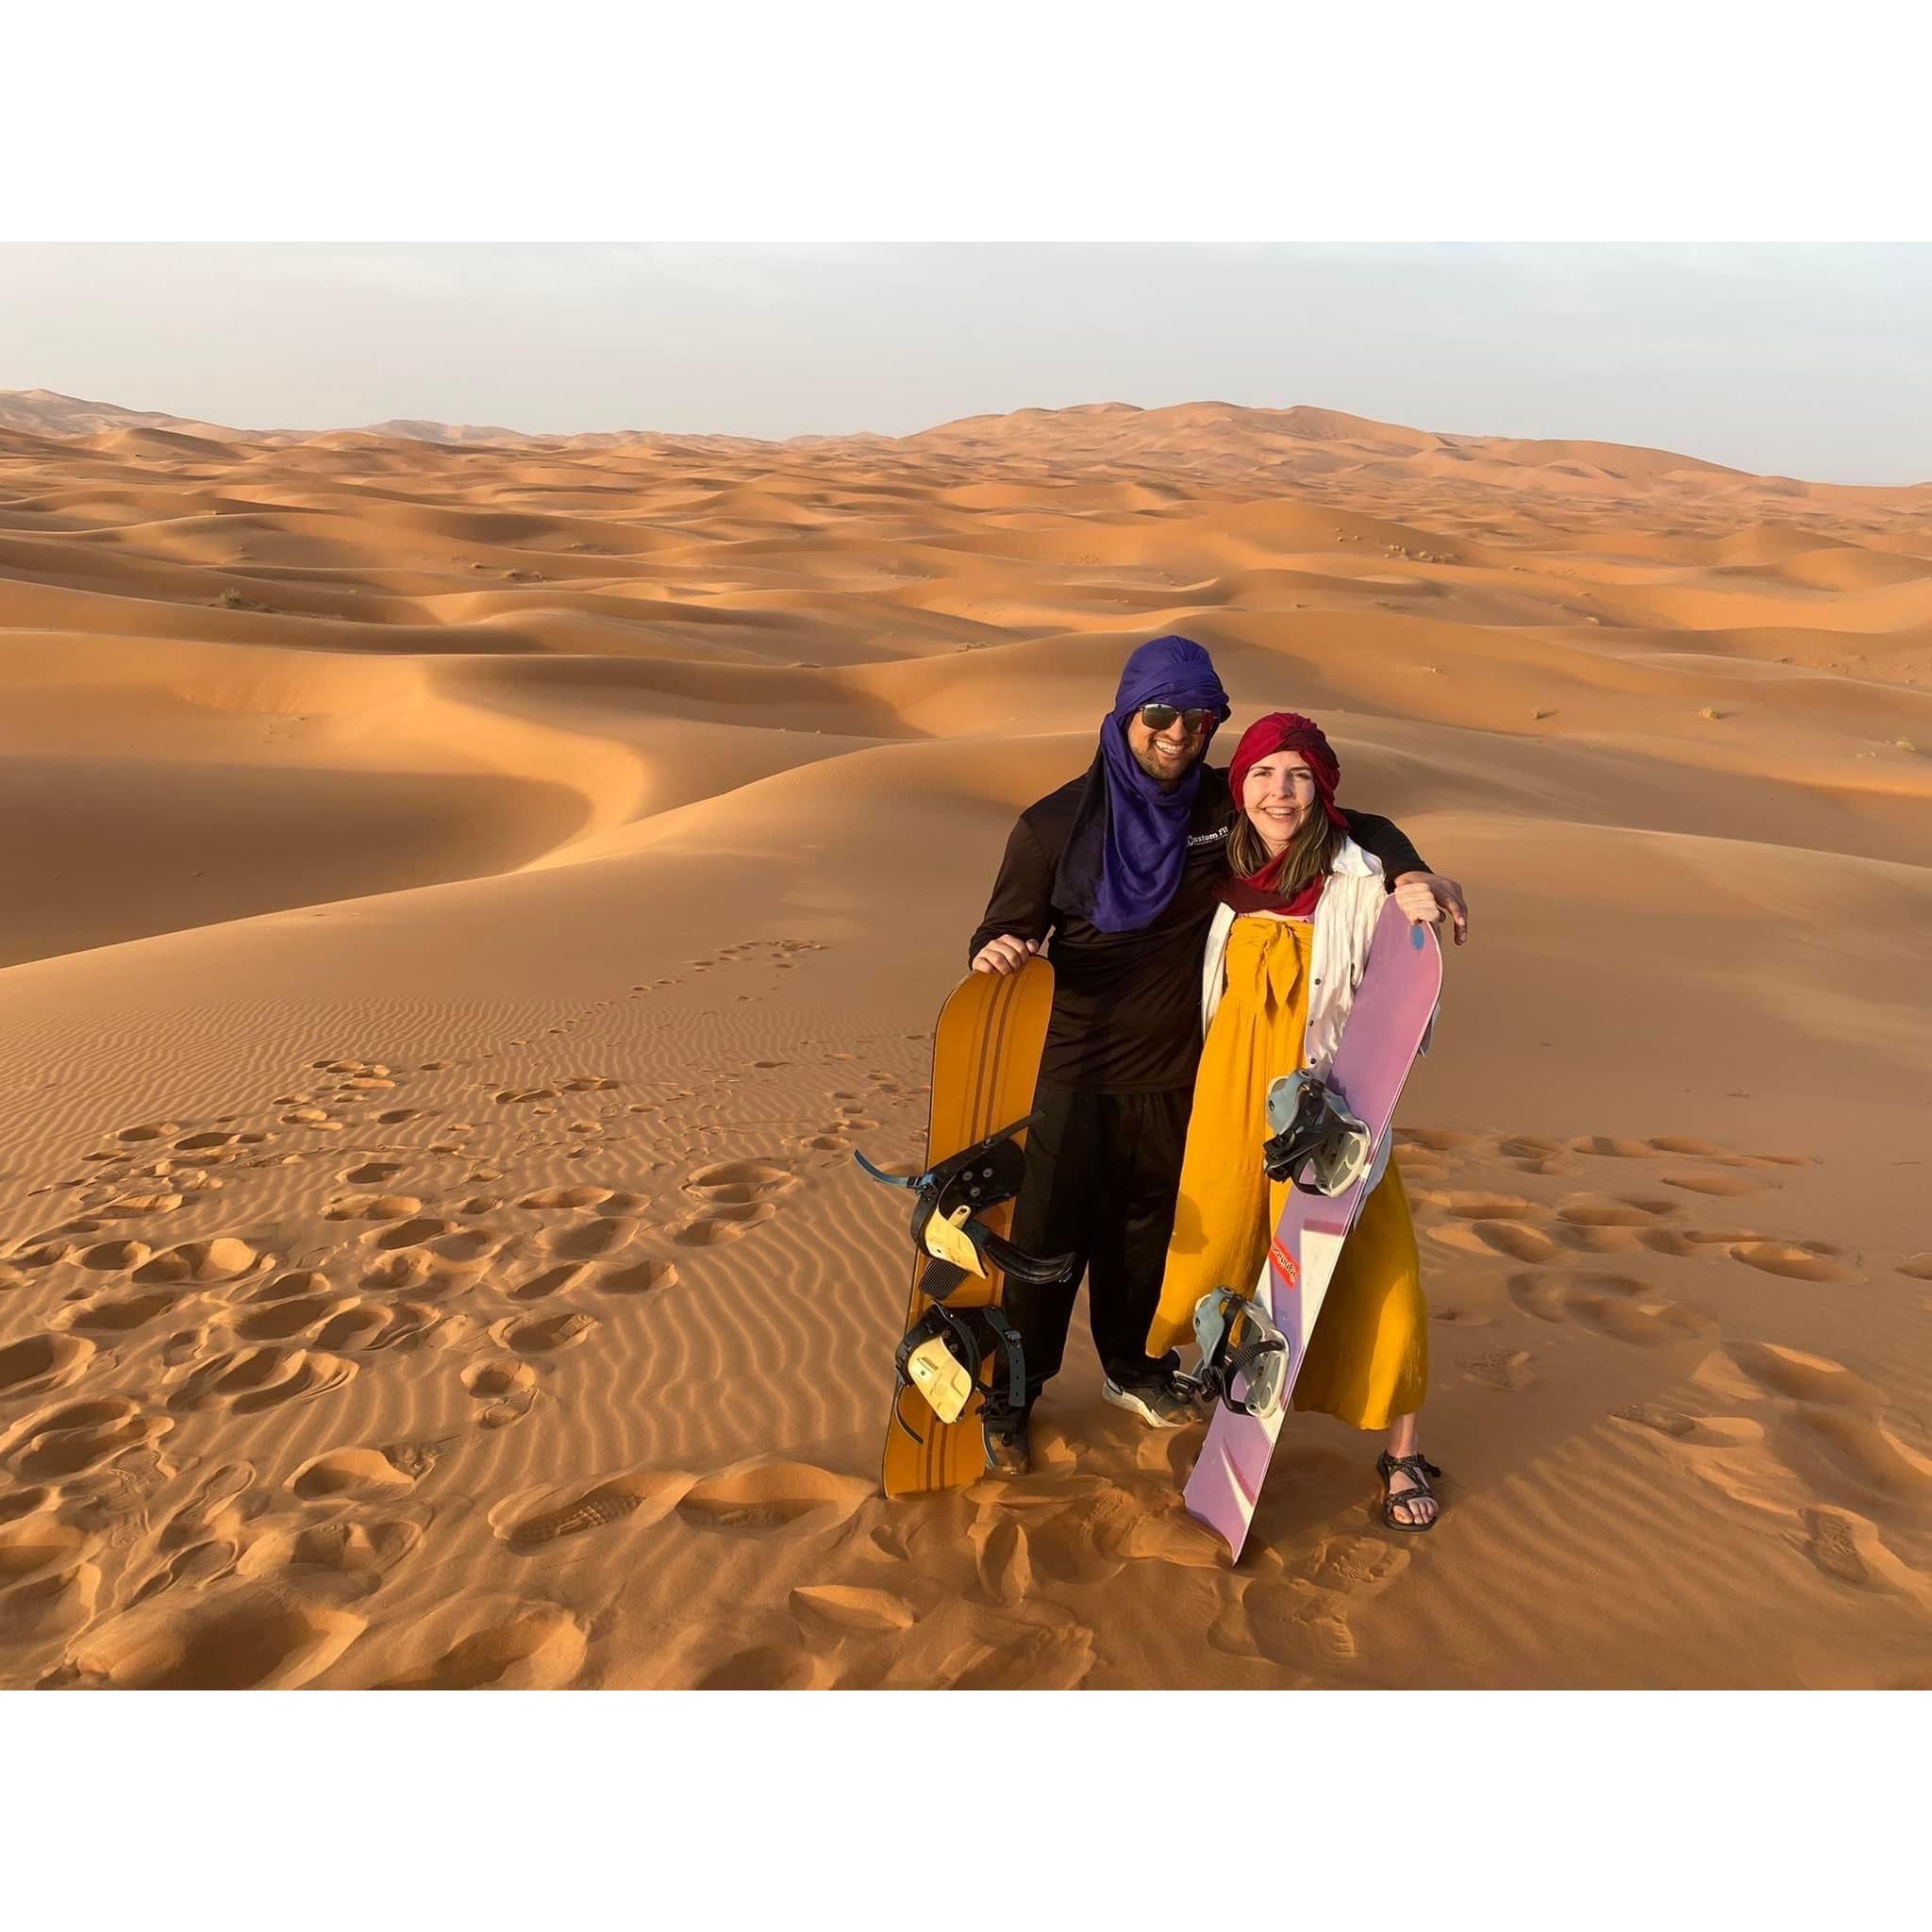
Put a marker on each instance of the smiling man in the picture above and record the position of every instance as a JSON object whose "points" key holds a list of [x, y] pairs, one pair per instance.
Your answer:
{"points": [[1121, 867]]}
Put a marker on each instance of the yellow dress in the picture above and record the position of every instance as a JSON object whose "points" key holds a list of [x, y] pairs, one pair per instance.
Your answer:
{"points": [[1367, 1361]]}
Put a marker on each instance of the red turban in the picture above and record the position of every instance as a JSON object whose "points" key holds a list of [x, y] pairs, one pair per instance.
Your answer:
{"points": [[1287, 731]]}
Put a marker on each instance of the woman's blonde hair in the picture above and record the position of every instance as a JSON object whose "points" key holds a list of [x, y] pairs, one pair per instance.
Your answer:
{"points": [[1311, 852]]}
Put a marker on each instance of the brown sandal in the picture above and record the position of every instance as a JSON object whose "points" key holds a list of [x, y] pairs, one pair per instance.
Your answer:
{"points": [[1418, 1469]]}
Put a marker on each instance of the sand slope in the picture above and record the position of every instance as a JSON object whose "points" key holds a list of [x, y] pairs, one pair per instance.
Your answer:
{"points": [[467, 896]]}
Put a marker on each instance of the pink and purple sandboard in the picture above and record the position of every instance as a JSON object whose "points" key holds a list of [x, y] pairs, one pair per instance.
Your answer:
{"points": [[1387, 1024]]}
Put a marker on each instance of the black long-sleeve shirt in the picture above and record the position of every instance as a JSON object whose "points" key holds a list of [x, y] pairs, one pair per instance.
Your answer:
{"points": [[1126, 1005]]}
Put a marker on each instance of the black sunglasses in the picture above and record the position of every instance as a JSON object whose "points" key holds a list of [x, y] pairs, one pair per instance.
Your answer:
{"points": [[1158, 717]]}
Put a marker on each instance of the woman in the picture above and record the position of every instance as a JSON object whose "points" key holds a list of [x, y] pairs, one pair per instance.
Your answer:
{"points": [[1285, 955]]}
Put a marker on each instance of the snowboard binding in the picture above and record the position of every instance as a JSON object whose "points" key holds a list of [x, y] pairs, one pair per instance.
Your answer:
{"points": [[942, 1354], [1317, 1143], [948, 1198], [1244, 1356]]}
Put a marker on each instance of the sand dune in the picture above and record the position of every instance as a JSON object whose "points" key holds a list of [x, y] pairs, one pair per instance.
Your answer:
{"points": [[471, 891]]}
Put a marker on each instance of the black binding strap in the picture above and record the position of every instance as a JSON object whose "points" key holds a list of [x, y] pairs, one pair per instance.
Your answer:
{"points": [[1004, 1390], [1008, 1344]]}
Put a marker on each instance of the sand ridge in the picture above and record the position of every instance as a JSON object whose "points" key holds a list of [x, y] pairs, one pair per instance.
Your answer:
{"points": [[477, 893]]}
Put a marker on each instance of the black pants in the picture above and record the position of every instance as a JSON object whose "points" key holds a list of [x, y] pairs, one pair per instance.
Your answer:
{"points": [[1102, 1174]]}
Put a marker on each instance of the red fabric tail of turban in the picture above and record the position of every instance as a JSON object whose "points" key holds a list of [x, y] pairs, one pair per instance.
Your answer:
{"points": [[1277, 732]]}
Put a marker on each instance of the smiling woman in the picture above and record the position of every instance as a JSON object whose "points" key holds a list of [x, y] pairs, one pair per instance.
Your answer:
{"points": [[1285, 956], [1277, 822]]}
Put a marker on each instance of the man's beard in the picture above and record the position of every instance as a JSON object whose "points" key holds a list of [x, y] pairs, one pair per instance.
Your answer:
{"points": [[1163, 775]]}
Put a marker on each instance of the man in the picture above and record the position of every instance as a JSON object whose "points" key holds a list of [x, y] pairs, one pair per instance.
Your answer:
{"points": [[1121, 867]]}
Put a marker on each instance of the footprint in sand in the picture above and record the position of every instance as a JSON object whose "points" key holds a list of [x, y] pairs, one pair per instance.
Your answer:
{"points": [[1436, 1140], [1051, 1651], [71, 1439], [38, 1364], [357, 1474], [1090, 1540], [116, 1315], [403, 1271], [566, 1197], [556, 1280], [847, 1607], [288, 1315], [722, 1224], [1611, 1147], [374, 1208], [417, 1231], [1534, 1155], [536, 1648], [738, 1183], [1002, 1560], [115, 1257], [40, 1251], [364, 1327], [14, 1504], [591, 1239], [1819, 1432], [54, 1605], [1802, 1377], [1611, 1223], [1508, 1238], [641, 1278], [33, 1537], [1851, 1549], [235, 1637], [766, 1667], [143, 1207], [505, 1390], [1883, 1460], [1725, 1185], [542, 1334], [1306, 1621], [1501, 1368], [212, 1149], [345, 1548], [193, 1568], [773, 1497], [1794, 1260], [251, 1381], [219, 1504], [1710, 1432], [1622, 1306], [1613, 1211], [546, 1516], [1478, 1206], [206, 1263]]}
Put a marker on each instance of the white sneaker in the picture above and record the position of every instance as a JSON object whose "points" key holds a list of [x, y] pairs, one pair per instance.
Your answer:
{"points": [[1157, 1403]]}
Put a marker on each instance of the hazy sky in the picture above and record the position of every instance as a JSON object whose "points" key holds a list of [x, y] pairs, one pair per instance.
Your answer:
{"points": [[1809, 360]]}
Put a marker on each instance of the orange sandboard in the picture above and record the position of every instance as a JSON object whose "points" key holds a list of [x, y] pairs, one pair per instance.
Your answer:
{"points": [[984, 1062]]}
